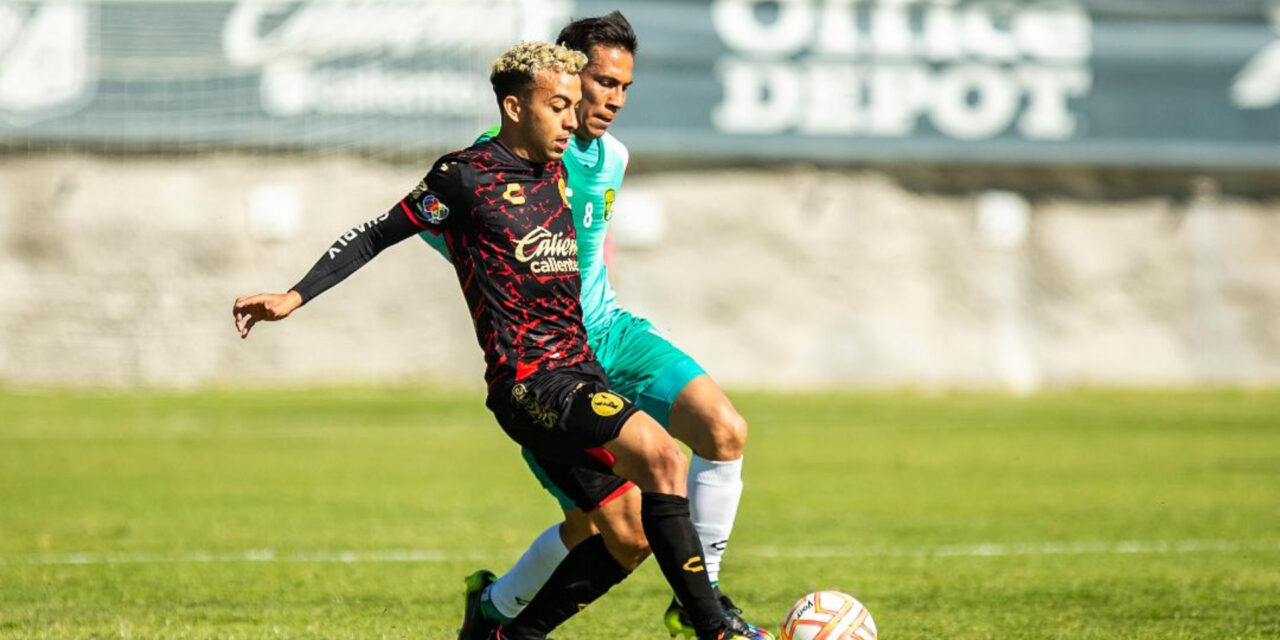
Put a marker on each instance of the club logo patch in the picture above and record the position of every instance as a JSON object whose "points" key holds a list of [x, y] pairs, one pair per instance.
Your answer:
{"points": [[606, 404], [514, 194], [434, 210], [609, 197]]}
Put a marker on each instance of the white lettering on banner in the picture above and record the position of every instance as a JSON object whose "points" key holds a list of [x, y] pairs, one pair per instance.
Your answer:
{"points": [[296, 89], [318, 30], [46, 69], [1257, 86], [414, 56], [881, 67]]}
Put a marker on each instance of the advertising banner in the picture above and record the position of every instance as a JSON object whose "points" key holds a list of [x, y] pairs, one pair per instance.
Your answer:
{"points": [[1048, 82]]}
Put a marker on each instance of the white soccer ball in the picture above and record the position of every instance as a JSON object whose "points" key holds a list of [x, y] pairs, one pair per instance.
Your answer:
{"points": [[828, 615]]}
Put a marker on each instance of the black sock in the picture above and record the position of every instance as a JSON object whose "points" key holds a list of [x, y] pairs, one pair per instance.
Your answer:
{"points": [[676, 547], [583, 576]]}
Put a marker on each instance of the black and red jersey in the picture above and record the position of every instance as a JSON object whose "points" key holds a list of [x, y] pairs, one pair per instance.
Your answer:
{"points": [[510, 234]]}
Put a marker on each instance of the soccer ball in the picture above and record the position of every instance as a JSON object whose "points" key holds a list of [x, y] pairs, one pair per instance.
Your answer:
{"points": [[828, 615]]}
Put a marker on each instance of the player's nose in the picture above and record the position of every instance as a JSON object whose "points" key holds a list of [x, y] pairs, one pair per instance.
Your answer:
{"points": [[617, 100]]}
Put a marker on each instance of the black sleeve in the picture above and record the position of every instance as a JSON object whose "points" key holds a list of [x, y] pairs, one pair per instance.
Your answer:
{"points": [[425, 208], [352, 250], [437, 197]]}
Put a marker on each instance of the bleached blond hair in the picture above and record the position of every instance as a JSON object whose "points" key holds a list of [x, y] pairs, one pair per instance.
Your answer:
{"points": [[515, 70]]}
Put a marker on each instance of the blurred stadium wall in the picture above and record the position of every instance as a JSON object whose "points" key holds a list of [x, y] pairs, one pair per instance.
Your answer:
{"points": [[932, 194]]}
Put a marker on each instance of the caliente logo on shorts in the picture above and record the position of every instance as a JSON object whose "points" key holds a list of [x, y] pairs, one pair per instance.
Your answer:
{"points": [[606, 404]]}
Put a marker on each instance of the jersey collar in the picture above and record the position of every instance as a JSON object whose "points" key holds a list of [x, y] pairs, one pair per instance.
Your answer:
{"points": [[598, 143], [509, 157]]}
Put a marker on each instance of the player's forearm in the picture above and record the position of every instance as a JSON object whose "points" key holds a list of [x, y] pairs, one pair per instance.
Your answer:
{"points": [[352, 250]]}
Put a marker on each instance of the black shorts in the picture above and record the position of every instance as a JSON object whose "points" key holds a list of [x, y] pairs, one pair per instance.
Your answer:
{"points": [[564, 418]]}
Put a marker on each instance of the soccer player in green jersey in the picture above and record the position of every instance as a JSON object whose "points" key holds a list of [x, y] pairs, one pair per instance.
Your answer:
{"points": [[641, 365]]}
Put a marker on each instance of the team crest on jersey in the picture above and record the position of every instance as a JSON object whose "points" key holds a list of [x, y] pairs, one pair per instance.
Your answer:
{"points": [[564, 191], [606, 404], [514, 194], [609, 197], [431, 207]]}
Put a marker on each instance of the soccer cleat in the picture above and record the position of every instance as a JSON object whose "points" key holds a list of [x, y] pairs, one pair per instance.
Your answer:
{"points": [[728, 634], [736, 624], [736, 627], [498, 634], [677, 622], [475, 626]]}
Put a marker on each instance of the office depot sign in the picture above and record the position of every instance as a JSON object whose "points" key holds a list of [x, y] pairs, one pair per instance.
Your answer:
{"points": [[887, 68]]}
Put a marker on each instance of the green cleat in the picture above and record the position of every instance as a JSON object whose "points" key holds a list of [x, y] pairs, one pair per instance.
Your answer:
{"points": [[732, 635], [475, 626], [678, 623]]}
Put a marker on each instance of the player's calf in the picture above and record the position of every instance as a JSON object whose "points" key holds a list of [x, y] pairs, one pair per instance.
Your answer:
{"points": [[619, 522]]}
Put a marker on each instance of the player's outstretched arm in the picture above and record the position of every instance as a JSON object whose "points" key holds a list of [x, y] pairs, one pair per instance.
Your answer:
{"points": [[345, 256], [424, 208], [269, 307]]}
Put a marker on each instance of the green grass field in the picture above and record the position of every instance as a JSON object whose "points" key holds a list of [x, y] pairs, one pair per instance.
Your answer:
{"points": [[355, 514]]}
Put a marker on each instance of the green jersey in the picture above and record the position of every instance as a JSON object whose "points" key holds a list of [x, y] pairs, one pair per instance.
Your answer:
{"points": [[596, 169]]}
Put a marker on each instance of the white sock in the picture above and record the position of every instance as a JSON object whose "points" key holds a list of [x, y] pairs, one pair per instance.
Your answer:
{"points": [[511, 593], [714, 491]]}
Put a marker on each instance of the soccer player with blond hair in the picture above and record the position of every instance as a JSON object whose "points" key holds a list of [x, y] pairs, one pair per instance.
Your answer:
{"points": [[502, 208], [640, 363]]}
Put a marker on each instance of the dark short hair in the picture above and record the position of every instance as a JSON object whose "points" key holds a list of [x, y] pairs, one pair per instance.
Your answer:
{"points": [[611, 30]]}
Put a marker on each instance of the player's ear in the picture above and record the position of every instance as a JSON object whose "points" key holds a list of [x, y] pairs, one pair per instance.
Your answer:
{"points": [[512, 108]]}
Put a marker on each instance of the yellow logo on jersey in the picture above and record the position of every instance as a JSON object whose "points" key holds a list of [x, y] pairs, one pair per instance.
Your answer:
{"points": [[564, 192], [514, 194], [606, 404], [609, 197]]}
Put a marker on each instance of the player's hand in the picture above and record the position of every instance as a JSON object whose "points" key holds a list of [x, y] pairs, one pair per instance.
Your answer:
{"points": [[251, 310]]}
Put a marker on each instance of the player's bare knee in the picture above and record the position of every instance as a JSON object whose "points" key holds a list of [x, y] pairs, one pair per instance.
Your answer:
{"points": [[669, 467], [728, 434]]}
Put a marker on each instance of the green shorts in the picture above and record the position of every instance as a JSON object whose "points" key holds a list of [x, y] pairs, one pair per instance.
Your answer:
{"points": [[642, 366]]}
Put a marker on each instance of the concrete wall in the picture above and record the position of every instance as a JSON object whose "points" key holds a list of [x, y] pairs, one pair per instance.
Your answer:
{"points": [[122, 272]]}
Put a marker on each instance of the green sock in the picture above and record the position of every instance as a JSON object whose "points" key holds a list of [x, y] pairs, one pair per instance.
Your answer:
{"points": [[488, 610]]}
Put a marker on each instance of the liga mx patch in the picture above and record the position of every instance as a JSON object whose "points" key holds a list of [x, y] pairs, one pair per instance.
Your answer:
{"points": [[606, 404], [434, 210]]}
